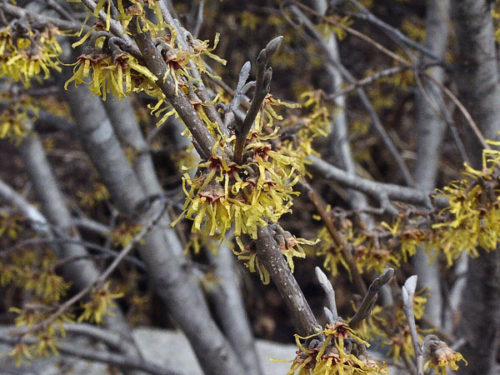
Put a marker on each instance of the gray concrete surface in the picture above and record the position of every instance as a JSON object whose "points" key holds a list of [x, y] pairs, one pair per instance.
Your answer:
{"points": [[165, 348]]}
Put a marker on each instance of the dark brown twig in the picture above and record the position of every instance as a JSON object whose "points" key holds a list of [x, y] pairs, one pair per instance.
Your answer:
{"points": [[337, 238], [370, 298], [271, 257]]}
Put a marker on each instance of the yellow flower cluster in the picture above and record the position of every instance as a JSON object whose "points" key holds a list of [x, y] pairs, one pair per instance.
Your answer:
{"points": [[247, 196], [25, 270], [334, 356], [119, 75], [470, 220], [124, 234], [327, 28], [16, 114], [299, 132], [100, 304], [99, 193], [472, 217], [34, 272], [12, 124], [10, 225], [372, 250], [257, 192], [26, 53], [107, 68]]}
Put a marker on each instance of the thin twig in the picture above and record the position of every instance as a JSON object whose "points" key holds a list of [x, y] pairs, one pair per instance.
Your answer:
{"points": [[408, 292], [262, 87], [60, 9], [100, 280], [377, 124], [404, 62], [203, 140], [465, 112], [370, 298], [18, 12], [337, 238], [330, 294], [199, 19], [238, 95], [115, 27], [383, 192], [373, 78], [391, 31]]}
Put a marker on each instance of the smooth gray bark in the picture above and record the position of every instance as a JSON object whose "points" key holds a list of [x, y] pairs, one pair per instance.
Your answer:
{"points": [[431, 126], [125, 124], [477, 81], [38, 222], [126, 127], [82, 272], [173, 284], [377, 190], [230, 308]]}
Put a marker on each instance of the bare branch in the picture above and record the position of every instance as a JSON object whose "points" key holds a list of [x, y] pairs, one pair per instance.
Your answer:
{"points": [[337, 238], [199, 19], [374, 78], [327, 286], [407, 293], [378, 190], [43, 20], [230, 308], [262, 87], [391, 31], [377, 124], [370, 298], [177, 98]]}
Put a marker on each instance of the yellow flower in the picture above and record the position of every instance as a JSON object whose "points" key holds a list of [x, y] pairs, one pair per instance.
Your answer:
{"points": [[105, 74], [331, 356], [46, 344], [101, 301], [26, 54], [124, 233], [248, 255], [441, 356], [226, 193], [20, 352]]}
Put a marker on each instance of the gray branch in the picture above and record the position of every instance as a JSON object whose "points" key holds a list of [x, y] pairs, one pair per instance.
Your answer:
{"points": [[174, 285], [380, 191], [431, 126]]}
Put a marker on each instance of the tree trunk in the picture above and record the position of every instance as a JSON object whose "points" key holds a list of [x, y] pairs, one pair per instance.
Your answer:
{"points": [[477, 81], [431, 126]]}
